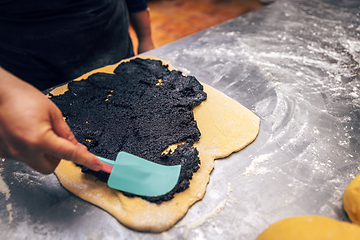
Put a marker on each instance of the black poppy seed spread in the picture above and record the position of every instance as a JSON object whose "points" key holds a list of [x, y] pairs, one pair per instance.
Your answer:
{"points": [[142, 109]]}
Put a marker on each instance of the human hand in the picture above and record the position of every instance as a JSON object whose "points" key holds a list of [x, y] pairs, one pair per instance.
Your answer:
{"points": [[32, 129]]}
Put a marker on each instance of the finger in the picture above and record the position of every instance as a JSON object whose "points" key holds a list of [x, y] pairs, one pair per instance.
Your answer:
{"points": [[64, 149], [59, 125]]}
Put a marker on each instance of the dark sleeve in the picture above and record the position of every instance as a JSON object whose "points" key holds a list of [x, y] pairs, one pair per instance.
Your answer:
{"points": [[136, 5]]}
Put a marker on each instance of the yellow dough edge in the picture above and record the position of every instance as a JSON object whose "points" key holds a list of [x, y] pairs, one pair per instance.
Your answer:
{"points": [[351, 200], [311, 228], [225, 125]]}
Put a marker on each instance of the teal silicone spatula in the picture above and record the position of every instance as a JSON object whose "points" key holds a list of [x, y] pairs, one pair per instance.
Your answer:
{"points": [[139, 176]]}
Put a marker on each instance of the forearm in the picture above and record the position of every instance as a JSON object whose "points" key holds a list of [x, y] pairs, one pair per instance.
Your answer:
{"points": [[140, 22]]}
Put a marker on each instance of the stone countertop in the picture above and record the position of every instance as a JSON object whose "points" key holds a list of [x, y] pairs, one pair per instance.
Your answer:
{"points": [[295, 64]]}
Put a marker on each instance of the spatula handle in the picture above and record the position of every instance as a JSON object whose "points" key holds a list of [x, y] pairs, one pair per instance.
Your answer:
{"points": [[107, 165], [106, 168]]}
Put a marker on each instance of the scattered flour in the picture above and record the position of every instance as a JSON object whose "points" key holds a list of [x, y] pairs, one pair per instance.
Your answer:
{"points": [[9, 209], [167, 236], [200, 221], [254, 169], [232, 199], [4, 189]]}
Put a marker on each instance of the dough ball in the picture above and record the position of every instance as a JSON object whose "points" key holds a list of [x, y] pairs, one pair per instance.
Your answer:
{"points": [[351, 200], [310, 228]]}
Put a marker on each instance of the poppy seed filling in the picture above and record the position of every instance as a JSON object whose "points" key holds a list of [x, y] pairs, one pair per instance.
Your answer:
{"points": [[142, 109]]}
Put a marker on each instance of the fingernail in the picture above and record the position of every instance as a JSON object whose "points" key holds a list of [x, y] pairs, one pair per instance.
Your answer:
{"points": [[97, 164], [96, 167]]}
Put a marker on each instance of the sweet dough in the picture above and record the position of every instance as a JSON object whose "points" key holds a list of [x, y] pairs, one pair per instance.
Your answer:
{"points": [[351, 199], [225, 125], [311, 228]]}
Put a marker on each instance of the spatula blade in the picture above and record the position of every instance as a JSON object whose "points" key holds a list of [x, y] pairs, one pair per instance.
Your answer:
{"points": [[142, 177]]}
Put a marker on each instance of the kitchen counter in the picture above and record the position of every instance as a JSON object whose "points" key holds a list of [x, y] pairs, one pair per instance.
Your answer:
{"points": [[295, 64]]}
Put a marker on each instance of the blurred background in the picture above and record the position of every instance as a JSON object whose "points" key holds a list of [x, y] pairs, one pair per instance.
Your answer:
{"points": [[174, 19]]}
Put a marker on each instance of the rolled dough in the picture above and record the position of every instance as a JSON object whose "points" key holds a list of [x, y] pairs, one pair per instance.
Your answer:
{"points": [[310, 228], [351, 199], [225, 125]]}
